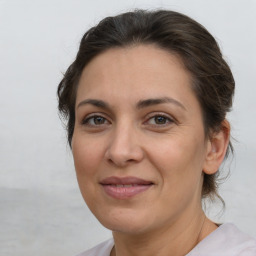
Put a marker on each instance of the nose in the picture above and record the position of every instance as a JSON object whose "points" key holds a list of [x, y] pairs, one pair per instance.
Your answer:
{"points": [[124, 147]]}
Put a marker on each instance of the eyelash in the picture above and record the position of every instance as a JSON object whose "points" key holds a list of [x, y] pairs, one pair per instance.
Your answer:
{"points": [[93, 117], [167, 120]]}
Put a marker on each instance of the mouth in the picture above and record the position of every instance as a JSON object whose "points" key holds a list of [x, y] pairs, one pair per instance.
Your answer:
{"points": [[125, 187]]}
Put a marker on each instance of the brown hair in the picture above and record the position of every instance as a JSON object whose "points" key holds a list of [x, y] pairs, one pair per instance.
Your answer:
{"points": [[212, 80]]}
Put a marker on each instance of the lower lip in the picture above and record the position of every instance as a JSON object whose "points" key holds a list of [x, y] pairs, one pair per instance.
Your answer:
{"points": [[125, 192]]}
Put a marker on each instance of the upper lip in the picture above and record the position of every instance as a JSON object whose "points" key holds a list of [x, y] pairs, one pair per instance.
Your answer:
{"points": [[113, 180]]}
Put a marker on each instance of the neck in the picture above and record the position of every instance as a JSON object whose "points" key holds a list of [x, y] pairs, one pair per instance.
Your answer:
{"points": [[177, 239]]}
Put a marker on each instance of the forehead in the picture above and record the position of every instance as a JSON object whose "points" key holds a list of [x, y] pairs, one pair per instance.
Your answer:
{"points": [[135, 72]]}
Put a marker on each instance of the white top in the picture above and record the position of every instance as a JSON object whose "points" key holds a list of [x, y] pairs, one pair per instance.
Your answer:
{"points": [[227, 240]]}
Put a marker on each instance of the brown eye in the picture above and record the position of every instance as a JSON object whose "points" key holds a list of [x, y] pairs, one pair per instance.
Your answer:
{"points": [[98, 120], [159, 120], [95, 121]]}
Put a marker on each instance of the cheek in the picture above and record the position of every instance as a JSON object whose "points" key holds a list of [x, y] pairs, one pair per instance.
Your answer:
{"points": [[179, 159], [180, 167], [86, 154]]}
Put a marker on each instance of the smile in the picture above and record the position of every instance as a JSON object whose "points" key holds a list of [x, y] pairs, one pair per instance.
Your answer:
{"points": [[124, 187]]}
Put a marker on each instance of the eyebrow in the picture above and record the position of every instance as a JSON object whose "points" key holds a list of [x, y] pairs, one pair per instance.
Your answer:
{"points": [[94, 102], [157, 101], [141, 104]]}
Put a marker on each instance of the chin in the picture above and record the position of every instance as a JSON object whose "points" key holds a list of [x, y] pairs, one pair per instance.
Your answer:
{"points": [[124, 221], [127, 228]]}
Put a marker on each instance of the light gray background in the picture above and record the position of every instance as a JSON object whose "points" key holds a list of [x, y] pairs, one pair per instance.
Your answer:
{"points": [[41, 210]]}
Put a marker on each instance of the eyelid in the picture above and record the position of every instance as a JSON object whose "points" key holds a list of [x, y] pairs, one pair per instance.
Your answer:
{"points": [[92, 115], [170, 118], [167, 116], [153, 114]]}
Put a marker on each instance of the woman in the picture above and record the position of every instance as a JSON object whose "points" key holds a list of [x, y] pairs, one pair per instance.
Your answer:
{"points": [[146, 101]]}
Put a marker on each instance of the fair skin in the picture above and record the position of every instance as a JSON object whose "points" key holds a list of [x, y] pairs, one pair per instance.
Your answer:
{"points": [[136, 116]]}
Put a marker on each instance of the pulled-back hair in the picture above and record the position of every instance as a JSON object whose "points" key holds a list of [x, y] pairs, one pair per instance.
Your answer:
{"points": [[212, 80]]}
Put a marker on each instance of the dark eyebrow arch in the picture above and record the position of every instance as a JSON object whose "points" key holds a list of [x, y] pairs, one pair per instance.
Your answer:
{"points": [[96, 103], [156, 101], [141, 104]]}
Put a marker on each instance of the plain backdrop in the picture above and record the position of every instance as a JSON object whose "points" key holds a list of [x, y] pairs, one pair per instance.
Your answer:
{"points": [[41, 209]]}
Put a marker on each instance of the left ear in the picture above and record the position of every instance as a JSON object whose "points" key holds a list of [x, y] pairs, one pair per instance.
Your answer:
{"points": [[216, 148]]}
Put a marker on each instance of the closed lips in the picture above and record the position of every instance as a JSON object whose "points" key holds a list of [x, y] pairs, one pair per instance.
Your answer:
{"points": [[124, 187], [119, 181]]}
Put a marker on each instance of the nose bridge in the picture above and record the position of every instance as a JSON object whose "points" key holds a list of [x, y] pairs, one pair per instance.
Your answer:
{"points": [[124, 146]]}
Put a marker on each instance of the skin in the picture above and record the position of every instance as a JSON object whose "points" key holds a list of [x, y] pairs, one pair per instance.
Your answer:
{"points": [[164, 143]]}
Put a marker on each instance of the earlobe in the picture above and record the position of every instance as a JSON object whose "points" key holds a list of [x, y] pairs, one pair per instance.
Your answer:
{"points": [[216, 148]]}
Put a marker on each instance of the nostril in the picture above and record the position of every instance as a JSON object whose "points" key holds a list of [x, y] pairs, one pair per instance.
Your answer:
{"points": [[120, 161], [110, 160]]}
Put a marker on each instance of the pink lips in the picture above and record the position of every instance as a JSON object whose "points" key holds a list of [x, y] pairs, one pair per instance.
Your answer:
{"points": [[124, 187]]}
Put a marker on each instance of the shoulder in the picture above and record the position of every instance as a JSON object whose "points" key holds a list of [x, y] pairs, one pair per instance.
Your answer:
{"points": [[102, 249], [226, 240]]}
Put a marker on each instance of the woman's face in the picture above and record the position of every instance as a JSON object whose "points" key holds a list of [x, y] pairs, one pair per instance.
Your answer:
{"points": [[139, 146]]}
